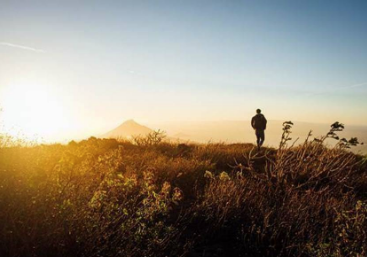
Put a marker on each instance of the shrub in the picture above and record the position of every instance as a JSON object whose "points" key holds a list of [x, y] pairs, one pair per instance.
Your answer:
{"points": [[148, 197]]}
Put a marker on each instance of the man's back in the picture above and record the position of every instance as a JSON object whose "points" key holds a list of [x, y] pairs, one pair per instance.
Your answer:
{"points": [[258, 122]]}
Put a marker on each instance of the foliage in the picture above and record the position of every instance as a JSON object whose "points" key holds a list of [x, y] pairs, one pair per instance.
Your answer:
{"points": [[103, 197]]}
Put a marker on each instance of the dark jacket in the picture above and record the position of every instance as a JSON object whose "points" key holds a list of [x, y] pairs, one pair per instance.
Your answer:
{"points": [[258, 122]]}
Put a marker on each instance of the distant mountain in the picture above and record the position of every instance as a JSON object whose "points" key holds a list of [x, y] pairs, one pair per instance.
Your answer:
{"points": [[128, 129]]}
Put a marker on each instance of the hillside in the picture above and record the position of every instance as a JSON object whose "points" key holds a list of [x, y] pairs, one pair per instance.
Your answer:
{"points": [[231, 131], [103, 197], [234, 131]]}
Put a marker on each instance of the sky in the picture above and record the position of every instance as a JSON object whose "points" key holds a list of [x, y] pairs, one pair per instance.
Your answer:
{"points": [[74, 68]]}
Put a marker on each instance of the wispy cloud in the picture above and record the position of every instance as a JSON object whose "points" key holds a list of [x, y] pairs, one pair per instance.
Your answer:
{"points": [[22, 47], [356, 85], [338, 88]]}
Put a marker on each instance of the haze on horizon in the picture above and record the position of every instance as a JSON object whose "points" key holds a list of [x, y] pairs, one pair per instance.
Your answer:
{"points": [[71, 69]]}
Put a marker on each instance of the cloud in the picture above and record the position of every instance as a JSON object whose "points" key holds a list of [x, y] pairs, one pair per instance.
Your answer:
{"points": [[338, 88], [356, 85], [22, 47]]}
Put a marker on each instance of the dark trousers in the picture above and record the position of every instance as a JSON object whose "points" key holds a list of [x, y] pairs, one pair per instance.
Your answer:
{"points": [[260, 135]]}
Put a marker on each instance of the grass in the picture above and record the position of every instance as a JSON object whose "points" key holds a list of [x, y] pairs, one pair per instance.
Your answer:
{"points": [[106, 197]]}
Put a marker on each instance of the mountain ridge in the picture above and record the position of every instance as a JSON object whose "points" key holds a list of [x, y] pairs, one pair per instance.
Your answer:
{"points": [[128, 129]]}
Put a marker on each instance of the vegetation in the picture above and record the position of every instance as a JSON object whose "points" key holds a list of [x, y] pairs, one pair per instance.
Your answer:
{"points": [[148, 197]]}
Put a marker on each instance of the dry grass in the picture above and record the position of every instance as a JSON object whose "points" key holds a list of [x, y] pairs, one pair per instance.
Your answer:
{"points": [[151, 198]]}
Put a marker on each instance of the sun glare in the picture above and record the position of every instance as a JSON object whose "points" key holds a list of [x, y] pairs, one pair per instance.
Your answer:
{"points": [[32, 111]]}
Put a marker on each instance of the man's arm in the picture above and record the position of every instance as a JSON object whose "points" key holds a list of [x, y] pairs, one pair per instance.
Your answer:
{"points": [[253, 122], [265, 121]]}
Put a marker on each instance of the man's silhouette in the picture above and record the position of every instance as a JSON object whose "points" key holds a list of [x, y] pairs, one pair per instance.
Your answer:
{"points": [[258, 122]]}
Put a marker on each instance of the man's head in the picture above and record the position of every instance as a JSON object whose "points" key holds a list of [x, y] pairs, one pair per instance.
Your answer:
{"points": [[258, 111]]}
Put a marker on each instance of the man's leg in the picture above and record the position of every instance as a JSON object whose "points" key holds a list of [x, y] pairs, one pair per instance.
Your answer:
{"points": [[262, 137], [258, 139]]}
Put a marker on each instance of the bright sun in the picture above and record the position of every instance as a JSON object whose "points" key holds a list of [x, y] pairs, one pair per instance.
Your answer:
{"points": [[33, 111]]}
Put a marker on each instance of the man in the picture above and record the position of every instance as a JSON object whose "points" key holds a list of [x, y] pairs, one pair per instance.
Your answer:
{"points": [[258, 123]]}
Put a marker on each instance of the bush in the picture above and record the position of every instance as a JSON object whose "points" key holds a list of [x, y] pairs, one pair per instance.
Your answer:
{"points": [[104, 197]]}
